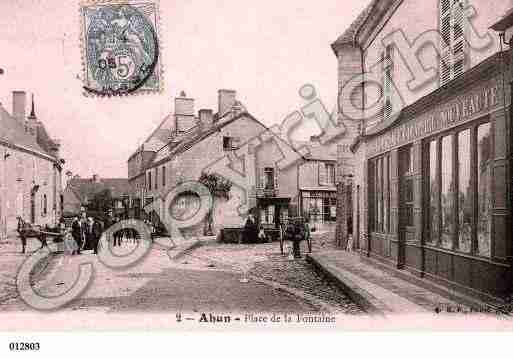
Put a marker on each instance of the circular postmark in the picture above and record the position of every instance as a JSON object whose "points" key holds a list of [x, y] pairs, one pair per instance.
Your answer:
{"points": [[122, 50]]}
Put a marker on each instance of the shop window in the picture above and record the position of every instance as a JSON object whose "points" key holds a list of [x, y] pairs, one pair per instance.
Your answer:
{"points": [[464, 193], [267, 215], [484, 173], [380, 193], [319, 207], [454, 193], [432, 194], [446, 193], [407, 196]]}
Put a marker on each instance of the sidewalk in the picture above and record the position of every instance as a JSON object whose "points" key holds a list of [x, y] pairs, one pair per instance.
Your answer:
{"points": [[375, 290]]}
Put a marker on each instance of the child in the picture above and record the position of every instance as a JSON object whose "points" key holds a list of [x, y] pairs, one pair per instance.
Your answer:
{"points": [[349, 247], [70, 246]]}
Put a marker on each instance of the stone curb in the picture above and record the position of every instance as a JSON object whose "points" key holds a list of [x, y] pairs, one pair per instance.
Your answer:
{"points": [[360, 296], [192, 246]]}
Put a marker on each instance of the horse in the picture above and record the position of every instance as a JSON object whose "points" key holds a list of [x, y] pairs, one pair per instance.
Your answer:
{"points": [[26, 230]]}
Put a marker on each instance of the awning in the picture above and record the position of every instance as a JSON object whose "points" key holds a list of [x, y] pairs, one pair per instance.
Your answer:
{"points": [[267, 201], [318, 189]]}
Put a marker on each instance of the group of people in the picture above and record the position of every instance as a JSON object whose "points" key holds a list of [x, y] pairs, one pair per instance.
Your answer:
{"points": [[251, 233], [84, 230]]}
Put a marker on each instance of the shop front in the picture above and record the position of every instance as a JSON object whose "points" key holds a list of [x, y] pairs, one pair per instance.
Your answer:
{"points": [[319, 205], [438, 185]]}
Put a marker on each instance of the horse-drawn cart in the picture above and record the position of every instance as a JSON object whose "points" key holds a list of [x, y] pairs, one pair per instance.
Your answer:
{"points": [[41, 233], [295, 229]]}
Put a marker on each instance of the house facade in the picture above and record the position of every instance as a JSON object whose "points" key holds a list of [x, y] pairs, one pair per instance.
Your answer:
{"points": [[30, 169], [230, 143], [317, 180], [432, 185], [79, 193]]}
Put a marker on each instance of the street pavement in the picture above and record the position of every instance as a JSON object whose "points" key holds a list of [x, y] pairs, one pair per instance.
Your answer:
{"points": [[206, 279]]}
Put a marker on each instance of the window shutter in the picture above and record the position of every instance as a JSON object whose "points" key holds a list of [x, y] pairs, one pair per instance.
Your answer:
{"points": [[445, 46], [388, 66], [261, 176], [459, 32], [322, 174], [453, 31]]}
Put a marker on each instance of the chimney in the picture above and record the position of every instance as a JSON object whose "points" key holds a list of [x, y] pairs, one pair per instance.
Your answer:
{"points": [[226, 101], [19, 105], [206, 118], [184, 113]]}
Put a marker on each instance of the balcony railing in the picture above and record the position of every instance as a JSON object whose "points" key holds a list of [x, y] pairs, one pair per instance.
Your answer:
{"points": [[267, 192]]}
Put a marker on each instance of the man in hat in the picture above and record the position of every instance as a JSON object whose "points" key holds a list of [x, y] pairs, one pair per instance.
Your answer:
{"points": [[93, 233]]}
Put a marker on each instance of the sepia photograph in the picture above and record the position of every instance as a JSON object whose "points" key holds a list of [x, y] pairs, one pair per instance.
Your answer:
{"points": [[236, 166]]}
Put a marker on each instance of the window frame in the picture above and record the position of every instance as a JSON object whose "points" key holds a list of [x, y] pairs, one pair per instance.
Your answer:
{"points": [[380, 212], [454, 133]]}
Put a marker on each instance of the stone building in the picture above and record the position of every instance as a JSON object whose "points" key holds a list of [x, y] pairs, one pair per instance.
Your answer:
{"points": [[230, 143], [80, 191], [432, 181], [30, 169]]}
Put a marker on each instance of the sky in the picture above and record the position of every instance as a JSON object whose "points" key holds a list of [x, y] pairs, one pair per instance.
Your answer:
{"points": [[265, 50]]}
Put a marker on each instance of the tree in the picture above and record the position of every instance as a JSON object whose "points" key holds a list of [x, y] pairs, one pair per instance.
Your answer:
{"points": [[219, 187]]}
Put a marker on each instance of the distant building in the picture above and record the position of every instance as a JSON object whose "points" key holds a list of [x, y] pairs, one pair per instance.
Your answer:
{"points": [[80, 191], [185, 145], [30, 169], [317, 180]]}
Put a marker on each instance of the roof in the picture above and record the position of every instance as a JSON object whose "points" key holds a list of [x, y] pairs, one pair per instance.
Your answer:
{"points": [[86, 188], [349, 36], [13, 132], [322, 153], [203, 133]]}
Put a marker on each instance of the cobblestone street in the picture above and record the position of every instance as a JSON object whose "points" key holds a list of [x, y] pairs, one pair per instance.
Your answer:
{"points": [[207, 278]]}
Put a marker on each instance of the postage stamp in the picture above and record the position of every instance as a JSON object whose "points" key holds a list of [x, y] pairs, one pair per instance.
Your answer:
{"points": [[120, 47]]}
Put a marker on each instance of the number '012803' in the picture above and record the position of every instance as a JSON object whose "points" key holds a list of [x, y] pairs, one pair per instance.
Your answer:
{"points": [[23, 346]]}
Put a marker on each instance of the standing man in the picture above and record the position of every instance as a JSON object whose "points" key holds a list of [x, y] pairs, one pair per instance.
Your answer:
{"points": [[93, 233], [76, 233]]}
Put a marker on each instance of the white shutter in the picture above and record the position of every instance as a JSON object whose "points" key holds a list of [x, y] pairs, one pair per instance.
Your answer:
{"points": [[388, 66], [446, 45], [453, 31], [458, 37]]}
